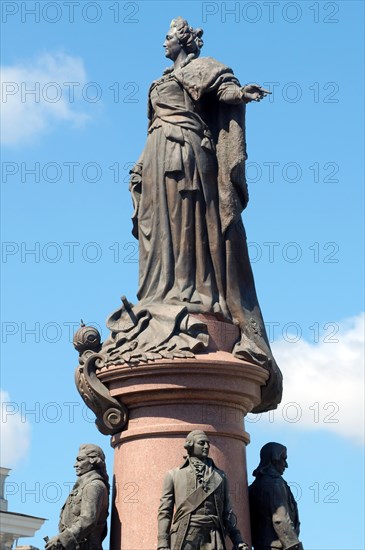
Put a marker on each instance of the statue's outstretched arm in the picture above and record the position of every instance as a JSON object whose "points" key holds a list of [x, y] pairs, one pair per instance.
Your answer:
{"points": [[231, 92]]}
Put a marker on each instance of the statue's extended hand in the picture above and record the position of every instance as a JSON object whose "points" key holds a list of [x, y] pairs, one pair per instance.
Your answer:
{"points": [[53, 544], [242, 546], [254, 92]]}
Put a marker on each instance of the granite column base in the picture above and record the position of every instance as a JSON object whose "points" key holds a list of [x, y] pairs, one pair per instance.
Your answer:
{"points": [[166, 399]]}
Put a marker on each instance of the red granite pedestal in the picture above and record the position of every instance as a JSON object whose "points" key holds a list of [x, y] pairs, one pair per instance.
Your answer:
{"points": [[167, 399]]}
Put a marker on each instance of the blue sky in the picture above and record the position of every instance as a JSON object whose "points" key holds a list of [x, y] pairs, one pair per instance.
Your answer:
{"points": [[304, 224]]}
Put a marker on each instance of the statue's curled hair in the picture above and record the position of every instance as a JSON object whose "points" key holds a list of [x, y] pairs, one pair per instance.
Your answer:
{"points": [[190, 439], [97, 455], [189, 38]]}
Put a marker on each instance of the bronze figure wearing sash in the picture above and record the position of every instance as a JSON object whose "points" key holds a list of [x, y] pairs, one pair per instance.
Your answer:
{"points": [[199, 492]]}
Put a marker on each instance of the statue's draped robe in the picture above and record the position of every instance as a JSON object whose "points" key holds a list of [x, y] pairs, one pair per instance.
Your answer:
{"points": [[193, 255]]}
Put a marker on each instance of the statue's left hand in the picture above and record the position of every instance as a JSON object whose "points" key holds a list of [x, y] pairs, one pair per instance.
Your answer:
{"points": [[242, 546], [53, 544], [254, 92]]}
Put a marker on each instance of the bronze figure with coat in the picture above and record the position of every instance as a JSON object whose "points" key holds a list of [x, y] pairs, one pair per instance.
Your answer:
{"points": [[273, 510], [199, 492], [83, 517]]}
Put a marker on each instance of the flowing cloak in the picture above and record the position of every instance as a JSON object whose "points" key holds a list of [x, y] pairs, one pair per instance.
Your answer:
{"points": [[226, 121], [161, 326]]}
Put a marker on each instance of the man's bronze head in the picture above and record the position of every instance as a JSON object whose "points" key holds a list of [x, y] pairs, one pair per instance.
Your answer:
{"points": [[197, 444], [272, 455], [90, 457]]}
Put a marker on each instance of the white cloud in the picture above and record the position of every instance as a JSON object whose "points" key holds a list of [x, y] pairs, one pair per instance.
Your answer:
{"points": [[26, 116], [15, 432], [324, 383]]}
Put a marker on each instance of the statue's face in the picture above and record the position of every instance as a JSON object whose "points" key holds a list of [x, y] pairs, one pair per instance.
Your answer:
{"points": [[172, 45], [201, 447], [281, 464], [82, 464]]}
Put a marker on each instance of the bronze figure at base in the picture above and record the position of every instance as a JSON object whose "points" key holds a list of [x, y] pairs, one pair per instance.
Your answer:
{"points": [[274, 512], [199, 492], [83, 517]]}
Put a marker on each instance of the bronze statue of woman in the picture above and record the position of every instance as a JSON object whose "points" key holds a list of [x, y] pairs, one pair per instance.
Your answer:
{"points": [[189, 190]]}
